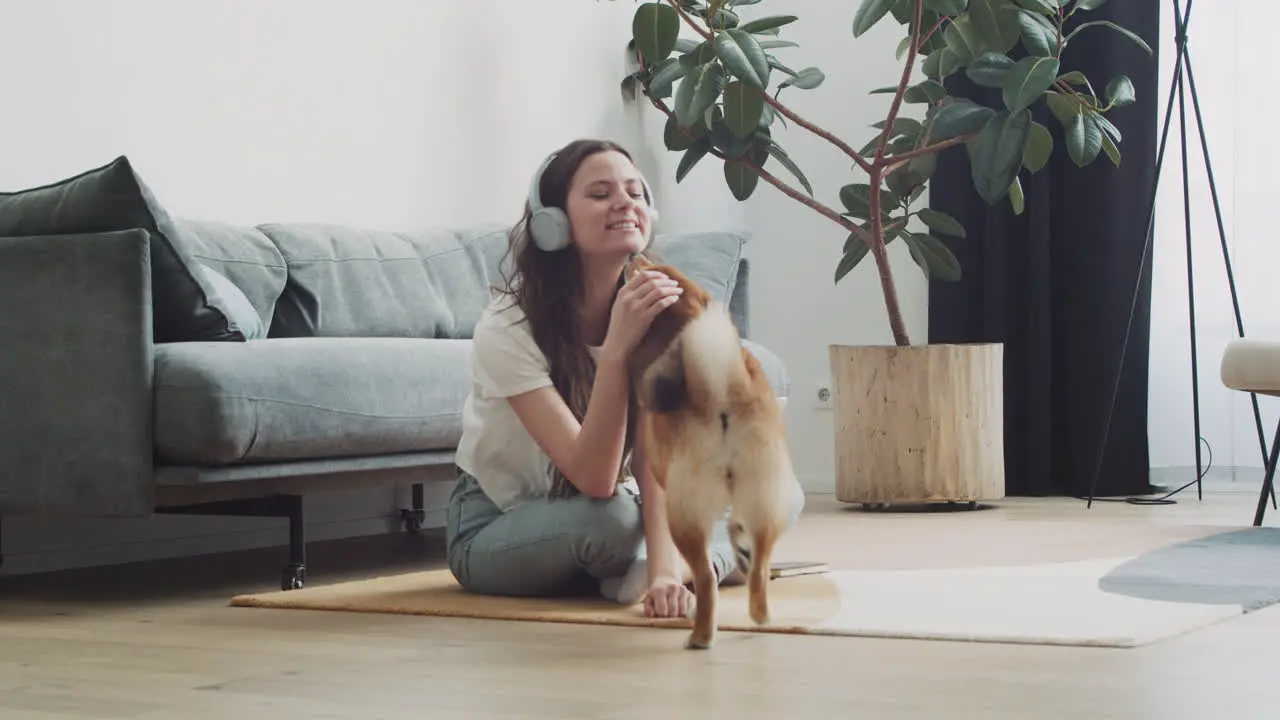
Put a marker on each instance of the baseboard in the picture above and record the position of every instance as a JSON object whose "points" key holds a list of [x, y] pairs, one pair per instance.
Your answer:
{"points": [[818, 484], [1173, 476]]}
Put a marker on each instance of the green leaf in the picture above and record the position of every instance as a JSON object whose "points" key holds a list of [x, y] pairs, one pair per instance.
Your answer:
{"points": [[697, 92], [701, 54], [855, 250], [909, 127], [655, 28], [743, 57], [946, 7], [941, 223], [771, 44], [990, 69], [676, 139], [743, 107], [781, 156], [1016, 200], [1028, 80], [935, 258], [664, 76], [997, 153], [1076, 78], [728, 143], [776, 64], [1120, 91], [1038, 148], [1107, 127], [993, 28], [1039, 36], [741, 179], [722, 20], [959, 117], [962, 40], [767, 23], [869, 13], [684, 45], [925, 91], [1090, 4], [1123, 31], [941, 64], [807, 79], [1084, 139], [1063, 106], [856, 200], [1109, 147], [1045, 7], [691, 156], [913, 174]]}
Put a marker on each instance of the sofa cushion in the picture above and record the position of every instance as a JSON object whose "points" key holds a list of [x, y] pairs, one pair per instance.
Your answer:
{"points": [[709, 258], [292, 398], [238, 308], [241, 254], [114, 197], [283, 399], [346, 281]]}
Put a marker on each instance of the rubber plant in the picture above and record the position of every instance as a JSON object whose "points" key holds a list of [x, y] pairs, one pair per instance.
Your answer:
{"points": [[721, 88]]}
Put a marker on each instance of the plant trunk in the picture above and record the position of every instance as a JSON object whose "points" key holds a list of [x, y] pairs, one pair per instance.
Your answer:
{"points": [[881, 256]]}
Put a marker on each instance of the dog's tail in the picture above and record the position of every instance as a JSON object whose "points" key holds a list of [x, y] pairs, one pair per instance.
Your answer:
{"points": [[711, 356]]}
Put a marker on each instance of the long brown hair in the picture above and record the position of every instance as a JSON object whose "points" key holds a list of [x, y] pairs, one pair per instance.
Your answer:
{"points": [[548, 288]]}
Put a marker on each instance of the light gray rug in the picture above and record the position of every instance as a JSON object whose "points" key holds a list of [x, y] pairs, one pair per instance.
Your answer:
{"points": [[1240, 567]]}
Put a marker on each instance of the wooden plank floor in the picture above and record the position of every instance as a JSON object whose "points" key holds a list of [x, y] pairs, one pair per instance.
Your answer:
{"points": [[158, 641]]}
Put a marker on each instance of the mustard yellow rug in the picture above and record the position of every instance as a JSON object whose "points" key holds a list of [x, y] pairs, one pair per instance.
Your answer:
{"points": [[798, 603]]}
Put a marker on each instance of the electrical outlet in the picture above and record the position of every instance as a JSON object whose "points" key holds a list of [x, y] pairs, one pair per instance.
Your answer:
{"points": [[822, 397]]}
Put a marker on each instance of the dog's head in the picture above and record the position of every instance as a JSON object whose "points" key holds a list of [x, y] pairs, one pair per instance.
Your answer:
{"points": [[668, 324]]}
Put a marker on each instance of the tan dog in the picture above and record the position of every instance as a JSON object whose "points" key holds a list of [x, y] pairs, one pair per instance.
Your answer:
{"points": [[715, 439]]}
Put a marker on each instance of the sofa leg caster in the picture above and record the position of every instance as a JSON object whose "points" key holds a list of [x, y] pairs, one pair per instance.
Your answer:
{"points": [[414, 518], [291, 507], [294, 577]]}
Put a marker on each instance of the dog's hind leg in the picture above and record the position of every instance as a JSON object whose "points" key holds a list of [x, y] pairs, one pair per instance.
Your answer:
{"points": [[758, 577], [691, 539], [763, 498], [695, 502]]}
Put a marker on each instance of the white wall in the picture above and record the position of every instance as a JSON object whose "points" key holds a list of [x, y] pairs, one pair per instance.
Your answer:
{"points": [[1235, 113]]}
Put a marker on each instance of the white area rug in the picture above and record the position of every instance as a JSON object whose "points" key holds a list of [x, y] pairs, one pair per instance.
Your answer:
{"points": [[1051, 604]]}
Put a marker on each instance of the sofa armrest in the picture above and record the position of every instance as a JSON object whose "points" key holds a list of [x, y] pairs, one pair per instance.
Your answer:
{"points": [[75, 374]]}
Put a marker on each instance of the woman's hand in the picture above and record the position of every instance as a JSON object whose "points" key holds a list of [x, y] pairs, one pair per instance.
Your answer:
{"points": [[646, 294], [667, 598]]}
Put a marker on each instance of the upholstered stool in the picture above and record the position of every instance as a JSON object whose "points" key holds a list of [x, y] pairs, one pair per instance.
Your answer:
{"points": [[1253, 366]]}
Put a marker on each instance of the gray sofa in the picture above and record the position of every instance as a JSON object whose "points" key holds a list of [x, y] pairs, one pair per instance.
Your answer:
{"points": [[159, 364]]}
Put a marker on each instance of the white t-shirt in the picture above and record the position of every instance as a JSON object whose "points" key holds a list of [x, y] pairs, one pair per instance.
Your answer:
{"points": [[506, 461]]}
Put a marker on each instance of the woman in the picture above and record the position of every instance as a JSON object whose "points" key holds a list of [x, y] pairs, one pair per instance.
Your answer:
{"points": [[543, 504]]}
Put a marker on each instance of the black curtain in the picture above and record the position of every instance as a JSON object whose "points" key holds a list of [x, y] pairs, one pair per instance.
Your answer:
{"points": [[1057, 283]]}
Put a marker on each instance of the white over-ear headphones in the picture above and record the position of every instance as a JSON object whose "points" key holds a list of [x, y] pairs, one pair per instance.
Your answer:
{"points": [[549, 226]]}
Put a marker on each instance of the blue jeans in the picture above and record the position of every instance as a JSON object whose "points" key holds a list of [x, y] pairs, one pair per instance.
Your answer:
{"points": [[562, 546]]}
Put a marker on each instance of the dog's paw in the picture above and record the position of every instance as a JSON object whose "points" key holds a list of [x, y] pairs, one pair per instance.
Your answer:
{"points": [[697, 643], [759, 611]]}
